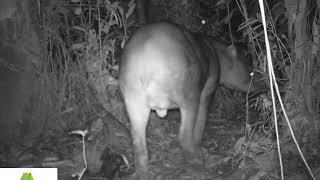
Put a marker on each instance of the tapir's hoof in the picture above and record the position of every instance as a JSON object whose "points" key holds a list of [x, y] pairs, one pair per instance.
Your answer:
{"points": [[138, 176], [194, 158]]}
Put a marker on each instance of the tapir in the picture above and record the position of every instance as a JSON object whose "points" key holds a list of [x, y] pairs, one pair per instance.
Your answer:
{"points": [[166, 67]]}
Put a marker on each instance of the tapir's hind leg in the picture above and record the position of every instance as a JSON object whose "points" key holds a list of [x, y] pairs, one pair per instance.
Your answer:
{"points": [[139, 116], [189, 147]]}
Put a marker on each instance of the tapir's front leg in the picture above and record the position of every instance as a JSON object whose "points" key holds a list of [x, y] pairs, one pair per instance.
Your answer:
{"points": [[139, 116], [206, 97]]}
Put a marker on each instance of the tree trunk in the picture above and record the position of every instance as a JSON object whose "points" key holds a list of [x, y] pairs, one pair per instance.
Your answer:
{"points": [[19, 53], [301, 95], [142, 7]]}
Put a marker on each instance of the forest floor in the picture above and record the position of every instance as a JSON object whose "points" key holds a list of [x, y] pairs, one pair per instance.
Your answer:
{"points": [[109, 152]]}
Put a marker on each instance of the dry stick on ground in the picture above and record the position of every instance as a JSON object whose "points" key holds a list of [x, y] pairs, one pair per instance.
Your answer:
{"points": [[83, 135]]}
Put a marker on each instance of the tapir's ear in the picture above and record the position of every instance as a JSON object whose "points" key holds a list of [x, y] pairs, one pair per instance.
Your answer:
{"points": [[232, 51]]}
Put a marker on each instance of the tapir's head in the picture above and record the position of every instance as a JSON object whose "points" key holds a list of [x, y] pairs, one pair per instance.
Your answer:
{"points": [[240, 74]]}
